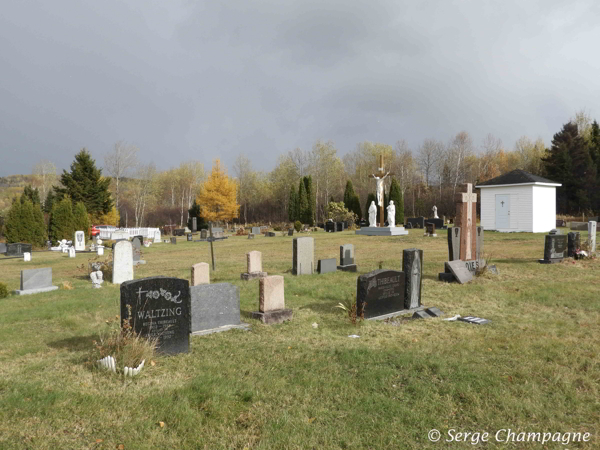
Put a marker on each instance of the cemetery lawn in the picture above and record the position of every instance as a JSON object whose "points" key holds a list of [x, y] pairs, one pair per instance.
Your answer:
{"points": [[535, 368]]}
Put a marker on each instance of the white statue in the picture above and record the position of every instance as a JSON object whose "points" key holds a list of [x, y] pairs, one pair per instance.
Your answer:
{"points": [[97, 279], [372, 215], [435, 216], [379, 189], [391, 214]]}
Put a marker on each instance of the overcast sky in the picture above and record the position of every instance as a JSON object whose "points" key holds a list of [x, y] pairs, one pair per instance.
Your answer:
{"points": [[196, 80]]}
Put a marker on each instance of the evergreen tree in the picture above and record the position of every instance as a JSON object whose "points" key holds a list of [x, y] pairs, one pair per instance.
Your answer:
{"points": [[292, 204], [32, 194], [41, 233], [196, 211], [352, 201], [311, 201], [302, 210], [396, 196], [62, 221], [12, 222], [85, 184], [27, 226], [81, 221], [50, 199]]}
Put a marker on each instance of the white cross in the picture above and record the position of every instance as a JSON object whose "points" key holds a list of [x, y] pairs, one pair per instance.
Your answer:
{"points": [[469, 198]]}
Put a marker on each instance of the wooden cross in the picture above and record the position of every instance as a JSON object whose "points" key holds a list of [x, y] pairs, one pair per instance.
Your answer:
{"points": [[381, 175]]}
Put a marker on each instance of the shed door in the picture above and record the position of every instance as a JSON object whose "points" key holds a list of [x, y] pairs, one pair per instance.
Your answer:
{"points": [[502, 211]]}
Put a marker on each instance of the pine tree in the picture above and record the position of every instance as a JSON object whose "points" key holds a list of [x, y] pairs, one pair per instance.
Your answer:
{"points": [[81, 221], [218, 198], [41, 233], [302, 210], [12, 222], [50, 199], [292, 203], [349, 195], [396, 196], [196, 211], [32, 194], [27, 227], [62, 221], [311, 201], [86, 184]]}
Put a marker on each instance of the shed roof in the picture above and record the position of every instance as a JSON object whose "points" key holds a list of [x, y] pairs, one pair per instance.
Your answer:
{"points": [[517, 176]]}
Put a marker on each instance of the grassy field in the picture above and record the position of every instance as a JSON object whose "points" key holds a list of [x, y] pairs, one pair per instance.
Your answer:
{"points": [[534, 369]]}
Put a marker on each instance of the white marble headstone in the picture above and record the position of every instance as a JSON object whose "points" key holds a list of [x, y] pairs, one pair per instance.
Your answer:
{"points": [[26, 256], [592, 236], [122, 262], [71, 252], [79, 241]]}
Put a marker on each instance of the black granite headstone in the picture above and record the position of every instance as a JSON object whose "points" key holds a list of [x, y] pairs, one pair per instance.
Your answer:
{"points": [[573, 243], [160, 308], [340, 226], [409, 226], [190, 237], [439, 223], [416, 222], [17, 249], [330, 227], [178, 231], [412, 266], [291, 232], [453, 243], [380, 292], [555, 247]]}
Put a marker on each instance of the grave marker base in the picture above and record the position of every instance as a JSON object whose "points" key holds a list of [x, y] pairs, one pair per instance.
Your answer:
{"points": [[35, 291], [243, 326], [348, 268], [397, 313], [272, 317]]}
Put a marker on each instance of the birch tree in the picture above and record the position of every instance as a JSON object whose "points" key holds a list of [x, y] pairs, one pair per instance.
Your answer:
{"points": [[44, 177], [120, 163]]}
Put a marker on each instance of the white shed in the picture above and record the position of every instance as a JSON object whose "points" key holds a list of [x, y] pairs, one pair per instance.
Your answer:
{"points": [[518, 201]]}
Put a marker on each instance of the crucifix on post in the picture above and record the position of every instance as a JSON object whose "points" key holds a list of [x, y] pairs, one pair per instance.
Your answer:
{"points": [[379, 177]]}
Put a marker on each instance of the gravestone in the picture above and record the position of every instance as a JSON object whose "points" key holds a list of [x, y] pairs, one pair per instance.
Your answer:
{"points": [[412, 266], [466, 220], [136, 248], [561, 223], [157, 237], [340, 226], [409, 226], [439, 223], [34, 281], [430, 229], [330, 227], [100, 250], [573, 243], [2, 247], [119, 234], [173, 240], [428, 313], [460, 272], [271, 301], [200, 274], [26, 256], [122, 262], [255, 230], [326, 265], [579, 226], [479, 243], [416, 222], [380, 293], [271, 234], [215, 307], [251, 236], [291, 232], [592, 236], [253, 266], [474, 320], [555, 247], [194, 224], [347, 258], [190, 237], [178, 231], [17, 249], [453, 243], [303, 256], [72, 252], [79, 241], [203, 234], [160, 308]]}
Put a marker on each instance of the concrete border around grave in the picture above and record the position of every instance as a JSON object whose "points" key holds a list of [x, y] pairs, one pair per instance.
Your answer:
{"points": [[398, 313], [242, 326], [35, 291], [382, 231]]}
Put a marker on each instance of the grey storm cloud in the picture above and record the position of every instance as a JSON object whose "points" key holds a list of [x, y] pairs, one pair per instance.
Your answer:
{"points": [[200, 80]]}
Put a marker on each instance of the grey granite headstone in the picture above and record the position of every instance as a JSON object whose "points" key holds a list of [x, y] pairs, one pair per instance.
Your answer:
{"points": [[460, 272], [303, 256], [190, 237], [2, 247], [215, 307], [346, 254], [412, 266], [34, 281], [194, 224], [579, 226], [255, 230], [173, 240], [592, 236], [136, 247], [479, 243], [327, 265], [474, 320], [17, 249], [434, 312], [160, 308], [203, 234], [573, 243], [453, 243]]}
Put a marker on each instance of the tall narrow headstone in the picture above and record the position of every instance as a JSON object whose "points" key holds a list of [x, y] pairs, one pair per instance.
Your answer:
{"points": [[453, 243], [479, 244], [573, 243], [79, 241], [303, 256], [157, 237], [194, 224], [347, 258], [122, 262], [466, 216], [555, 248], [200, 274], [412, 266], [159, 307], [592, 236], [136, 247]]}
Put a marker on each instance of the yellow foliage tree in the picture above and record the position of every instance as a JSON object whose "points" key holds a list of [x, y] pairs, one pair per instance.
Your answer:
{"points": [[218, 196], [110, 218]]}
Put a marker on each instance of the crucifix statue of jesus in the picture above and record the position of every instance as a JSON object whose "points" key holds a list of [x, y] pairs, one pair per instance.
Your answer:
{"points": [[381, 175]]}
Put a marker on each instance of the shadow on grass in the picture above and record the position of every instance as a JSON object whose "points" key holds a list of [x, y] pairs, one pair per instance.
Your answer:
{"points": [[322, 308], [75, 343]]}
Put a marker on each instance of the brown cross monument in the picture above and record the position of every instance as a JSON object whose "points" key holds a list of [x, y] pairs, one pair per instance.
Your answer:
{"points": [[466, 219]]}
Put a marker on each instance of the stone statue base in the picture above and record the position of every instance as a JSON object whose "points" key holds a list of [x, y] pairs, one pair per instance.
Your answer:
{"points": [[382, 231]]}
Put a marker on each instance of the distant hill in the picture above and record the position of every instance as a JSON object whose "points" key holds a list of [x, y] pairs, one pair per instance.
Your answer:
{"points": [[10, 187]]}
